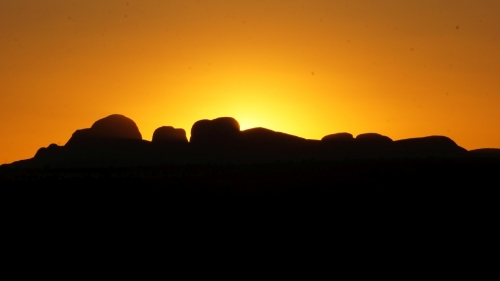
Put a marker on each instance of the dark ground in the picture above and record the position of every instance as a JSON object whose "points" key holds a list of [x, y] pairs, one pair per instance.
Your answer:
{"points": [[427, 209], [306, 177]]}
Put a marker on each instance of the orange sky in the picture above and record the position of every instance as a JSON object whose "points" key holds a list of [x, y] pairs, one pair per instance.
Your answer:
{"points": [[305, 67]]}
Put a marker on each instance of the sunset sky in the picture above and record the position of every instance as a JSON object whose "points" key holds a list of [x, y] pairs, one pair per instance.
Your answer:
{"points": [[305, 67]]}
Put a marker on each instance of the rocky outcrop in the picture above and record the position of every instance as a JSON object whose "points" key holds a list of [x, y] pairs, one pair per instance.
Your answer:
{"points": [[373, 139], [115, 141], [338, 138], [338, 141], [47, 151], [432, 146], [266, 136], [485, 152], [169, 135], [113, 127], [220, 131]]}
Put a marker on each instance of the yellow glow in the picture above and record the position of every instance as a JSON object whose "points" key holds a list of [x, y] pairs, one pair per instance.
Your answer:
{"points": [[309, 68]]}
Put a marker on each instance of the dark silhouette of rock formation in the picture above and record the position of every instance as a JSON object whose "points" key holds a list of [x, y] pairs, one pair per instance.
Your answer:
{"points": [[169, 135], [111, 141], [373, 145], [432, 146], [115, 141], [338, 138], [339, 144], [224, 130], [264, 145], [486, 152], [113, 127], [262, 137], [221, 159], [52, 150], [373, 139]]}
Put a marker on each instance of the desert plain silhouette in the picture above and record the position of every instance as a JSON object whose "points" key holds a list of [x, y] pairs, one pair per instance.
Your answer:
{"points": [[221, 158]]}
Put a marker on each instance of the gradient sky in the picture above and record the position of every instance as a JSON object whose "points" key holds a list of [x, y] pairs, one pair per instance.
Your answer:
{"points": [[305, 67]]}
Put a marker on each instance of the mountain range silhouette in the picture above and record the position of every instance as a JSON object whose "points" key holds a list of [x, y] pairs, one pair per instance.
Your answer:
{"points": [[220, 158], [115, 141]]}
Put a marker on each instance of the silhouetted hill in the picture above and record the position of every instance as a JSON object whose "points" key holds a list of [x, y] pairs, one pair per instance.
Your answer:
{"points": [[169, 135], [113, 127], [433, 146], [115, 141], [486, 152], [373, 139], [222, 159], [338, 139], [260, 136], [220, 131]]}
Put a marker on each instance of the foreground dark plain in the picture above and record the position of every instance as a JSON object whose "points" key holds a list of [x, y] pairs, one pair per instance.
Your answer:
{"points": [[411, 177]]}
